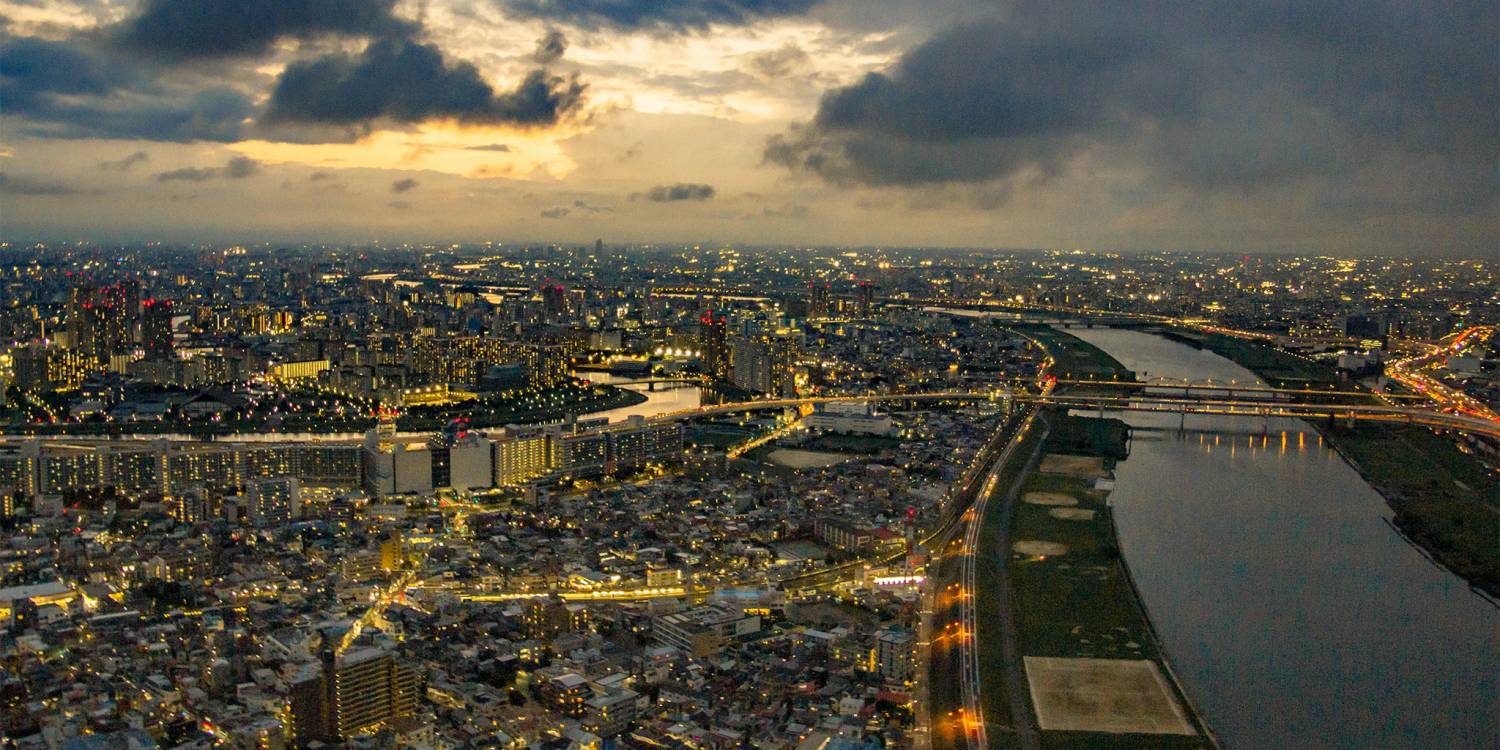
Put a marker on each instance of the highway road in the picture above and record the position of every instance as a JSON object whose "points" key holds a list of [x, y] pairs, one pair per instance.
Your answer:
{"points": [[1411, 373]]}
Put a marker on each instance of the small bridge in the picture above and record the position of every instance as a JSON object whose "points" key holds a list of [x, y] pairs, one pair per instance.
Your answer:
{"points": [[651, 383]]}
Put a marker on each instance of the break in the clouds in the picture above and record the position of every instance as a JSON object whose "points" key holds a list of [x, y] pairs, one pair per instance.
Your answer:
{"points": [[654, 14], [681, 191], [1220, 95], [408, 82], [220, 28]]}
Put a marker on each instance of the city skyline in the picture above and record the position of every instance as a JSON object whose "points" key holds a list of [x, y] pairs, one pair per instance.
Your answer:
{"points": [[500, 498], [749, 374], [1363, 128]]}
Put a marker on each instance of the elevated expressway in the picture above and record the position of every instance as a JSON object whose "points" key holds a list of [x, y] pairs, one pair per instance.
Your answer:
{"points": [[1255, 402]]}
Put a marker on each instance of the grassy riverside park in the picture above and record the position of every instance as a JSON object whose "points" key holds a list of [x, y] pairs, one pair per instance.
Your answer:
{"points": [[1445, 500], [1074, 358], [1079, 602], [1076, 603]]}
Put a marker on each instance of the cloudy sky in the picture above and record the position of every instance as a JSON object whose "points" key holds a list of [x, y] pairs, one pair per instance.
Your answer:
{"points": [[1344, 126]]}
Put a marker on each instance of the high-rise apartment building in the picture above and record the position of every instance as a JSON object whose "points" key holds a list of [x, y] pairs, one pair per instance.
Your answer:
{"points": [[99, 319], [713, 345], [521, 455], [275, 501], [156, 328], [866, 298], [763, 364], [352, 694], [820, 300]]}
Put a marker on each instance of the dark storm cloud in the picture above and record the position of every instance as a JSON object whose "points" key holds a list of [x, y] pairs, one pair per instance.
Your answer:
{"points": [[407, 82], [403, 185], [33, 70], [682, 191], [68, 90], [980, 101], [1218, 95], [551, 47], [654, 14], [224, 28], [126, 163], [237, 168], [212, 115]]}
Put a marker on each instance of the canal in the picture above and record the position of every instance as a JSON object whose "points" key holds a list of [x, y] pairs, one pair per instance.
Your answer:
{"points": [[1287, 603]]}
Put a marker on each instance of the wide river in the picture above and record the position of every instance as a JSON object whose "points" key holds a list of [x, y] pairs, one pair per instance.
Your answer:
{"points": [[1292, 610]]}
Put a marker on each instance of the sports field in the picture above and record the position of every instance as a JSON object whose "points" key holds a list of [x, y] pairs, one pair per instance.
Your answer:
{"points": [[1119, 696]]}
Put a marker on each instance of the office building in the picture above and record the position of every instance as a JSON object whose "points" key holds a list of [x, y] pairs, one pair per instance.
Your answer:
{"points": [[704, 630], [850, 418], [461, 458], [393, 467], [554, 301]]}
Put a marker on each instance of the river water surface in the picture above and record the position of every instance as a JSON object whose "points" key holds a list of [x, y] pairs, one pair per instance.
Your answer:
{"points": [[668, 397], [1292, 610]]}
